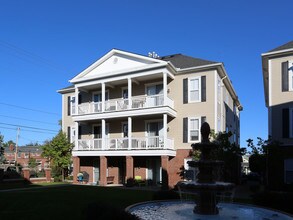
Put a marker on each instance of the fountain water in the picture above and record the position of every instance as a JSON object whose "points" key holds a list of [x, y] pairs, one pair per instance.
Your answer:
{"points": [[206, 206]]}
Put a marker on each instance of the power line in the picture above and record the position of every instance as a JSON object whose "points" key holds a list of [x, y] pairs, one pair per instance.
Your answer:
{"points": [[32, 56], [6, 116], [23, 126], [30, 109]]}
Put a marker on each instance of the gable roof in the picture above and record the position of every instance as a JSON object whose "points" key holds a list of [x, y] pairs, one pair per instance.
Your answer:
{"points": [[182, 61], [286, 46]]}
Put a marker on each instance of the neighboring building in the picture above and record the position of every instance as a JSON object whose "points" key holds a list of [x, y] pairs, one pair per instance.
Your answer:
{"points": [[23, 156], [135, 116], [278, 86]]}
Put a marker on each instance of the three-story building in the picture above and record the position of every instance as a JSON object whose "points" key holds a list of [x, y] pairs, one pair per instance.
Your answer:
{"points": [[133, 116], [277, 67]]}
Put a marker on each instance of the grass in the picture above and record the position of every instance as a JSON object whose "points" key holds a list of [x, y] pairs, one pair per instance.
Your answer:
{"points": [[65, 202]]}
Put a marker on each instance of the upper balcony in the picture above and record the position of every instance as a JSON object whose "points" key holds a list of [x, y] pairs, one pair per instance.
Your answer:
{"points": [[114, 105]]}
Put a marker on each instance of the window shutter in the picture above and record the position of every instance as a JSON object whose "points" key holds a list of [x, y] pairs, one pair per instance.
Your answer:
{"points": [[79, 132], [285, 77], [68, 105], [68, 133], [285, 122], [185, 91], [203, 89], [185, 130]]}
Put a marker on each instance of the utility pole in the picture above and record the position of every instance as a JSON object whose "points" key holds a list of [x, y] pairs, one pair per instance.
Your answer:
{"points": [[16, 145]]}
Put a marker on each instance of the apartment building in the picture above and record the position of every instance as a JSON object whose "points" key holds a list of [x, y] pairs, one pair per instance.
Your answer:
{"points": [[133, 116], [277, 67]]}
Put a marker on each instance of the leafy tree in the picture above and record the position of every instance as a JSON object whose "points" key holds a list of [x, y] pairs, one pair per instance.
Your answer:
{"points": [[230, 153], [32, 163], [8, 143], [58, 151], [2, 158]]}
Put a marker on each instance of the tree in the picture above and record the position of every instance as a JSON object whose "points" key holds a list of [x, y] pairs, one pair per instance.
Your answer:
{"points": [[230, 153], [8, 143], [2, 158], [265, 158], [58, 151]]}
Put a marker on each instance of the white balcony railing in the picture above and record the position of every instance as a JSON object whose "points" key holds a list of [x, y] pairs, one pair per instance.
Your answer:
{"points": [[137, 102], [137, 143]]}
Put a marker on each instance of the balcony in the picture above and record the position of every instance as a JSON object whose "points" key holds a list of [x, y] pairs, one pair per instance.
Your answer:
{"points": [[116, 144], [114, 105]]}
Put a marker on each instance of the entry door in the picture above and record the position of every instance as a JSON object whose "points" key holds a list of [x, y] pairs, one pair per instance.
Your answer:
{"points": [[154, 171], [96, 170], [97, 99], [155, 133], [152, 91], [97, 135]]}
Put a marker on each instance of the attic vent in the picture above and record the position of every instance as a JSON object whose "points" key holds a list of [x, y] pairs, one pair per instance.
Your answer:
{"points": [[115, 60]]}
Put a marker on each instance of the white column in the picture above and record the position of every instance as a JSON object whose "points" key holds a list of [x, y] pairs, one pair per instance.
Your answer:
{"points": [[165, 129], [103, 96], [129, 133], [76, 135], [76, 101], [129, 93], [165, 87], [103, 134]]}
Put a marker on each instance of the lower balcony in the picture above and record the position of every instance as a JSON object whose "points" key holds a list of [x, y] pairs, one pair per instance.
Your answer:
{"points": [[134, 143]]}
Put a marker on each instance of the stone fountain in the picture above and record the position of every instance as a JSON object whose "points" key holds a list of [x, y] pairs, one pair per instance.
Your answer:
{"points": [[206, 187]]}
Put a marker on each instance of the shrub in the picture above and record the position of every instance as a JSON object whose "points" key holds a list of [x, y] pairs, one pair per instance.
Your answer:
{"points": [[130, 182], [57, 178]]}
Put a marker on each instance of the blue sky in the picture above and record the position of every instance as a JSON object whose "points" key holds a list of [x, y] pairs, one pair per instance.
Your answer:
{"points": [[45, 43]]}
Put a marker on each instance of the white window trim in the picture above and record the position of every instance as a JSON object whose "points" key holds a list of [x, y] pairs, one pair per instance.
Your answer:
{"points": [[199, 89], [188, 129], [290, 75], [72, 134]]}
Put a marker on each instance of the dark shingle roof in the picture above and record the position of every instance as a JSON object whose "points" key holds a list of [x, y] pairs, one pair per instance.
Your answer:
{"points": [[288, 45], [182, 61]]}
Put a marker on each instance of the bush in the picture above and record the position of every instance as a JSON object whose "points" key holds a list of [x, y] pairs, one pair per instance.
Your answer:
{"points": [[130, 182], [57, 178], [41, 173], [166, 195], [275, 200]]}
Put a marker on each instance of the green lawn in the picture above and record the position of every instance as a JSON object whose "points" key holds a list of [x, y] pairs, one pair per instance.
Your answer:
{"points": [[65, 202]]}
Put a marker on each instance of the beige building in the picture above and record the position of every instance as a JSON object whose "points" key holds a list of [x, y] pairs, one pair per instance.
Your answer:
{"points": [[278, 86], [132, 116]]}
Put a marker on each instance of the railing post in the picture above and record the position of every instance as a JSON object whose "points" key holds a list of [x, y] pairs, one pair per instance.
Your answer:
{"points": [[129, 133], [164, 88], [129, 93]]}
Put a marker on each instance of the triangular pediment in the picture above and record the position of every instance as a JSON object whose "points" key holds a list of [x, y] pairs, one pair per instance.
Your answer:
{"points": [[116, 62]]}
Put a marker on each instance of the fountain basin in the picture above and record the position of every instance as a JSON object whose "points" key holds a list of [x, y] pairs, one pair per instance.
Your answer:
{"points": [[196, 186], [178, 210]]}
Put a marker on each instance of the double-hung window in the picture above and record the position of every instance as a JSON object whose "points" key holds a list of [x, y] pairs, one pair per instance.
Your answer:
{"points": [[194, 89], [287, 76], [193, 129]]}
